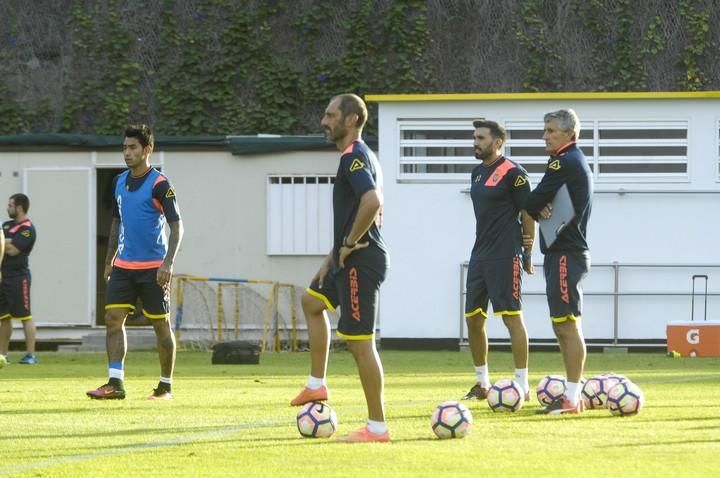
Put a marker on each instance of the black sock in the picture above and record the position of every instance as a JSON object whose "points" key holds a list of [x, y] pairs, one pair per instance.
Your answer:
{"points": [[164, 387], [117, 383]]}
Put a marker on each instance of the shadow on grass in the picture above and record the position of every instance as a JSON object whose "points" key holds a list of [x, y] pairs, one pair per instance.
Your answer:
{"points": [[178, 433], [659, 443]]}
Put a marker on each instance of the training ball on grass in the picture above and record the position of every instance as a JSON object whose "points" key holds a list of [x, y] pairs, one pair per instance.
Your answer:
{"points": [[625, 399], [451, 419], [550, 388], [506, 396], [594, 392], [316, 420]]}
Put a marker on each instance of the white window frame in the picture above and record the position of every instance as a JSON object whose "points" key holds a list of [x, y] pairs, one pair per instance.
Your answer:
{"points": [[641, 177], [524, 160], [436, 124], [595, 143], [717, 150], [299, 217]]}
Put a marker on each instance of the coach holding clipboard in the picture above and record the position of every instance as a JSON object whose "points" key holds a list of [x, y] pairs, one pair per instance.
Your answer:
{"points": [[561, 203]]}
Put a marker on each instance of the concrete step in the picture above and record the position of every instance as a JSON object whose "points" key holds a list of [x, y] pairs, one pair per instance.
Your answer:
{"points": [[136, 340]]}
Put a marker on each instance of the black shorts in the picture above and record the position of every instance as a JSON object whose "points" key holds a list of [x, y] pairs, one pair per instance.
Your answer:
{"points": [[126, 285], [494, 280], [355, 289], [15, 297], [564, 272]]}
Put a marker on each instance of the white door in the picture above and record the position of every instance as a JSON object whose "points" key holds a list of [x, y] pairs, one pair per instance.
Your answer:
{"points": [[62, 206]]}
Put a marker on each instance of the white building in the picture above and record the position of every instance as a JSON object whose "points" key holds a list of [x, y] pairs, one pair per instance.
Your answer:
{"points": [[655, 158], [258, 208], [247, 215]]}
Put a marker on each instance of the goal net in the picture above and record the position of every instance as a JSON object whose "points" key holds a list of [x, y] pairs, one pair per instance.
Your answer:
{"points": [[211, 310]]}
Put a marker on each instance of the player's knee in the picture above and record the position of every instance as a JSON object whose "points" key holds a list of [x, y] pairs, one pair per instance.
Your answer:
{"points": [[162, 326], [475, 321], [513, 321], [114, 318], [361, 348], [565, 329], [311, 305]]}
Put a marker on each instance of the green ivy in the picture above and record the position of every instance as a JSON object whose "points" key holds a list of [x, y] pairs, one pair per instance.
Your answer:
{"points": [[17, 118], [542, 72], [12, 119], [618, 49], [233, 67], [105, 97], [698, 26]]}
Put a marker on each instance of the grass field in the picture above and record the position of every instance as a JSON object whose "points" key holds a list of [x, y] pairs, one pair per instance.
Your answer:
{"points": [[234, 420]]}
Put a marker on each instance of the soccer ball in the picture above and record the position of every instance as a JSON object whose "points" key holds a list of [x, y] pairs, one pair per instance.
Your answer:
{"points": [[316, 420], [506, 396], [612, 378], [625, 399], [594, 392], [550, 388], [615, 376], [451, 420]]}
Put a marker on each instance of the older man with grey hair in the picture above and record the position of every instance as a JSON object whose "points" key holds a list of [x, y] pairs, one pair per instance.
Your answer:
{"points": [[567, 259]]}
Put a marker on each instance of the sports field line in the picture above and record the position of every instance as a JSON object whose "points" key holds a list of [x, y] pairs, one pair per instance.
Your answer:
{"points": [[140, 447]]}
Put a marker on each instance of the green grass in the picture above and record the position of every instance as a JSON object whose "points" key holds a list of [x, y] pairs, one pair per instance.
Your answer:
{"points": [[234, 420]]}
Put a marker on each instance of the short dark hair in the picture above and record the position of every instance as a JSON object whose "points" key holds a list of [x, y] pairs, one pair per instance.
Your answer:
{"points": [[351, 103], [142, 132], [19, 199], [496, 131]]}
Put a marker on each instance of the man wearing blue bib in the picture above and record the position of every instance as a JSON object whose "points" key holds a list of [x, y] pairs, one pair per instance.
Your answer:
{"points": [[139, 261]]}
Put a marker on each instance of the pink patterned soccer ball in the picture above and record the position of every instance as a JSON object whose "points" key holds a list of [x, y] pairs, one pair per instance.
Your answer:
{"points": [[316, 420], [505, 396], [594, 392], [451, 419], [550, 388], [625, 399]]}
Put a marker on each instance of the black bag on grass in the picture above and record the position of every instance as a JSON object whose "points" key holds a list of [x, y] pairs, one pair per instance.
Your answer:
{"points": [[236, 352]]}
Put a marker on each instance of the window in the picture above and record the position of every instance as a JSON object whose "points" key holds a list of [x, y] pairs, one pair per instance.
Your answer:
{"points": [[617, 151], [432, 150], [299, 214], [525, 145], [642, 149]]}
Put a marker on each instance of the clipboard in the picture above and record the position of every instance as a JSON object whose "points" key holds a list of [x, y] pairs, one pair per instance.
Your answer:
{"points": [[562, 213]]}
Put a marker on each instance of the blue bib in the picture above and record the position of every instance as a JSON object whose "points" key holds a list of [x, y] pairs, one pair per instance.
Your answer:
{"points": [[141, 239]]}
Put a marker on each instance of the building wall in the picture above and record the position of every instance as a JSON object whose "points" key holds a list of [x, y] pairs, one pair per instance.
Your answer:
{"points": [[429, 227], [222, 199]]}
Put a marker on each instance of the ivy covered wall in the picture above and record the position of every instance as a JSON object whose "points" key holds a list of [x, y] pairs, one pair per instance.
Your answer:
{"points": [[253, 66]]}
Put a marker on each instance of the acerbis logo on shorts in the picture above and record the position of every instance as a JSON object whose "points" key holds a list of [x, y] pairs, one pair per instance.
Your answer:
{"points": [[516, 278], [354, 298], [564, 294], [26, 294]]}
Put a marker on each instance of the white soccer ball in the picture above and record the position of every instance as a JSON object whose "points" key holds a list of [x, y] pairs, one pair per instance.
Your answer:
{"points": [[316, 420], [550, 388], [451, 419], [506, 396], [625, 399]]}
